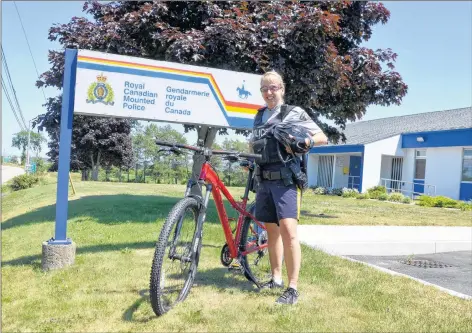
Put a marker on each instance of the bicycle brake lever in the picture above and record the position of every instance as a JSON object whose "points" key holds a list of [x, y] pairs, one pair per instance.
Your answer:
{"points": [[169, 150], [176, 150], [232, 158]]}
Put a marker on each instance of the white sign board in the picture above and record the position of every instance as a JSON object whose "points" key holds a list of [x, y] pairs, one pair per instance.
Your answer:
{"points": [[129, 87]]}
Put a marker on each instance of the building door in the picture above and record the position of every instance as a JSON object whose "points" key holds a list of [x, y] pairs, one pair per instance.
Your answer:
{"points": [[420, 171], [325, 170], [354, 180], [396, 175], [466, 180]]}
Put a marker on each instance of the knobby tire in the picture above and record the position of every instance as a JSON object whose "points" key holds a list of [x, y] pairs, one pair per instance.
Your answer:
{"points": [[156, 290]]}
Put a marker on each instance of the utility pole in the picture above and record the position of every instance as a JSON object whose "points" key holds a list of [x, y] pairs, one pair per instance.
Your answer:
{"points": [[28, 147], [27, 164]]}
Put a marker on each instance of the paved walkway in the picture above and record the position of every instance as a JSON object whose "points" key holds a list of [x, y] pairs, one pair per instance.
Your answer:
{"points": [[437, 256], [8, 172], [386, 240], [450, 270]]}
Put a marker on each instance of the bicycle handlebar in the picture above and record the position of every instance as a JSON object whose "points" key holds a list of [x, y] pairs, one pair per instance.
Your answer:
{"points": [[206, 151]]}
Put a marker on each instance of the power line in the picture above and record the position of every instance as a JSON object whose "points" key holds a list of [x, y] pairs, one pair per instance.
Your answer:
{"points": [[11, 104], [5, 65], [29, 48]]}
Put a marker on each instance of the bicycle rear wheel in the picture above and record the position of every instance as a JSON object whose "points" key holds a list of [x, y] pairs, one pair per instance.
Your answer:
{"points": [[257, 263], [175, 262]]}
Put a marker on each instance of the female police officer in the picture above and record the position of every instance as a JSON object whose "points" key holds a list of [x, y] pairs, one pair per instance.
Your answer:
{"points": [[278, 198]]}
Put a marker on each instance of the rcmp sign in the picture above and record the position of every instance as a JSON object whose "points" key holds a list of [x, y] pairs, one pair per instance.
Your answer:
{"points": [[128, 87]]}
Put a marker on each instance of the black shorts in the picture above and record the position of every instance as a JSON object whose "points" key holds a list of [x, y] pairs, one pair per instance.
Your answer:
{"points": [[275, 201]]}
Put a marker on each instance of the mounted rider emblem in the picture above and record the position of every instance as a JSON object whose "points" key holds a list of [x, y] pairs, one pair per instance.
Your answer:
{"points": [[100, 92], [243, 93]]}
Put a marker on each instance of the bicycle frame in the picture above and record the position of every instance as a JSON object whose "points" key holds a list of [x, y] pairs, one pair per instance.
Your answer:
{"points": [[217, 188]]}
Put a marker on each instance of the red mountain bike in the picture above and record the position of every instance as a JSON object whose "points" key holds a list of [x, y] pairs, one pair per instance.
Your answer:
{"points": [[178, 248]]}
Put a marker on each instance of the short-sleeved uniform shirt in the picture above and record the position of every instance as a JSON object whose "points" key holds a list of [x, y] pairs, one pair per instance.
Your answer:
{"points": [[275, 200]]}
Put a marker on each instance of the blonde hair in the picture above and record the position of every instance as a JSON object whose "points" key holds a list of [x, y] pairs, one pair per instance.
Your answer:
{"points": [[277, 76]]}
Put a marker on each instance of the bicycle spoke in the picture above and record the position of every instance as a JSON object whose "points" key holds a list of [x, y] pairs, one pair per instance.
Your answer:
{"points": [[255, 254], [175, 261]]}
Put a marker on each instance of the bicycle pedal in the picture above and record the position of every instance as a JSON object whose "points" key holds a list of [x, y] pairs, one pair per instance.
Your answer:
{"points": [[236, 267]]}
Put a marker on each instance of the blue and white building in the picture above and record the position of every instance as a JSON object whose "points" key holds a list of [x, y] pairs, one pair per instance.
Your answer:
{"points": [[427, 153]]}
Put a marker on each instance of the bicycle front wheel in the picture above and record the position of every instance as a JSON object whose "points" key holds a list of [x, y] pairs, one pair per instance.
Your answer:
{"points": [[175, 261]]}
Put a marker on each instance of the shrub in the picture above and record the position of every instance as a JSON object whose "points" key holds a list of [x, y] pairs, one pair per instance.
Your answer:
{"points": [[376, 191], [381, 189], [336, 191], [465, 206], [319, 190], [363, 196], [350, 192], [23, 182], [41, 165], [395, 197], [406, 200], [383, 196], [426, 201], [441, 201]]}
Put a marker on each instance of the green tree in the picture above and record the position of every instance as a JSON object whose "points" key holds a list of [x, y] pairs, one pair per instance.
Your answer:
{"points": [[163, 166], [316, 46], [20, 141], [234, 174]]}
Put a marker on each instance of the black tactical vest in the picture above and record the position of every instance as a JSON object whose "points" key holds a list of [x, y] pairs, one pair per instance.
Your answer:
{"points": [[263, 142]]}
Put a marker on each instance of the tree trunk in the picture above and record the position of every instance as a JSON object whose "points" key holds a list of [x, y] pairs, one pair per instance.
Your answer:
{"points": [[207, 135], [128, 175], [95, 166], [119, 175], [84, 175], [186, 166], [95, 173], [229, 173], [136, 173]]}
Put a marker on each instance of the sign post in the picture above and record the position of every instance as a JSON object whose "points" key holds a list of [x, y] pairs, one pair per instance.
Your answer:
{"points": [[108, 85], [59, 251]]}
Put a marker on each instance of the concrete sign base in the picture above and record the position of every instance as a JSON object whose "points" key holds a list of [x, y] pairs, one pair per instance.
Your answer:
{"points": [[57, 256]]}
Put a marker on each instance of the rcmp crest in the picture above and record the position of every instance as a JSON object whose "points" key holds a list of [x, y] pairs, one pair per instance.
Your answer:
{"points": [[100, 92]]}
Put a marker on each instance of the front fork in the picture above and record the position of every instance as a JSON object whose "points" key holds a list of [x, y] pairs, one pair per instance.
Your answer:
{"points": [[199, 229], [197, 238]]}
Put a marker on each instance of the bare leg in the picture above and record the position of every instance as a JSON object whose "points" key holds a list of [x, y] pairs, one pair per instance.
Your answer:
{"points": [[291, 249], [275, 247]]}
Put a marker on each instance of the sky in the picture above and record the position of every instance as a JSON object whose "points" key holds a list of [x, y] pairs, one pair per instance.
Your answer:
{"points": [[433, 40]]}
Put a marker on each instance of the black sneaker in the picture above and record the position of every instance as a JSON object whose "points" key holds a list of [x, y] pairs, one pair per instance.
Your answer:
{"points": [[272, 285], [290, 296]]}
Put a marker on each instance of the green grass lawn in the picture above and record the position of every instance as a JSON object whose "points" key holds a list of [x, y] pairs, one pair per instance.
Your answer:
{"points": [[323, 209], [115, 227]]}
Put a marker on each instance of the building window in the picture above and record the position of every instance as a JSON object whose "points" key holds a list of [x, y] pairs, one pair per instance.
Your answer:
{"points": [[421, 154], [420, 164], [467, 166]]}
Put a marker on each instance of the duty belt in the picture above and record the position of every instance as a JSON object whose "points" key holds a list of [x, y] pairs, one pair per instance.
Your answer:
{"points": [[271, 175]]}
